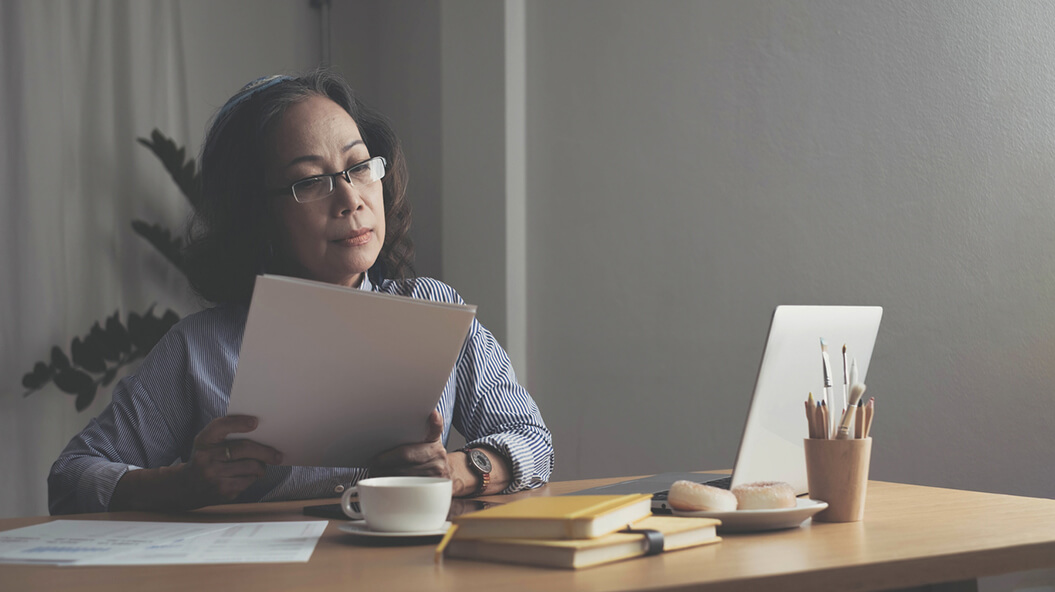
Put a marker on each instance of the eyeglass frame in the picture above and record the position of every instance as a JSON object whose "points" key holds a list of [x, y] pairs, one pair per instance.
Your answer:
{"points": [[291, 190]]}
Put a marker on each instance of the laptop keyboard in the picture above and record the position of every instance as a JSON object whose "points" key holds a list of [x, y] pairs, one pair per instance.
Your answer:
{"points": [[720, 483]]}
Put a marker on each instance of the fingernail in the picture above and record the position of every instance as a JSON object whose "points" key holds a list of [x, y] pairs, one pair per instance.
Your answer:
{"points": [[252, 422]]}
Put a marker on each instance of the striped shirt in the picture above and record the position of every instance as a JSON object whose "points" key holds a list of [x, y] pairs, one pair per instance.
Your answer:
{"points": [[185, 382]]}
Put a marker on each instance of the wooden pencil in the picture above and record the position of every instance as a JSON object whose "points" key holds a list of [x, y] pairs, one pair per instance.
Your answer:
{"points": [[824, 420], [818, 413], [809, 419]]}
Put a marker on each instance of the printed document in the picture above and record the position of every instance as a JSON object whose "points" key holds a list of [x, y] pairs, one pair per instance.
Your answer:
{"points": [[116, 542], [337, 375]]}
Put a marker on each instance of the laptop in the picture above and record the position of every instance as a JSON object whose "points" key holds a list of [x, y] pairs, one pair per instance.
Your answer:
{"points": [[771, 442]]}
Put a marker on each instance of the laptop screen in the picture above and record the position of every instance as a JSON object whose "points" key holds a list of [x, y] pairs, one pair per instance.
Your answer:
{"points": [[771, 446]]}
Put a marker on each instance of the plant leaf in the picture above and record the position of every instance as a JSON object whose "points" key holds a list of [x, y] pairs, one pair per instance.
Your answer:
{"points": [[109, 376], [72, 381], [117, 335], [38, 377], [170, 318], [85, 396], [59, 361], [172, 158], [158, 326], [145, 331], [162, 240], [135, 330], [87, 357], [98, 342]]}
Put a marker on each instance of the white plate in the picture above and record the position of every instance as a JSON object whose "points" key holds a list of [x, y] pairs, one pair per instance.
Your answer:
{"points": [[752, 520], [358, 528]]}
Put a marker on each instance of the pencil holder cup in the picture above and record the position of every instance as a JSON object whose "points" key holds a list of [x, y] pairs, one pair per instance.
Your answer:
{"points": [[837, 473]]}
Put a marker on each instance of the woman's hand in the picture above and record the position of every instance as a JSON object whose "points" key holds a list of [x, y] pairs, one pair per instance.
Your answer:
{"points": [[220, 469], [427, 458], [430, 459]]}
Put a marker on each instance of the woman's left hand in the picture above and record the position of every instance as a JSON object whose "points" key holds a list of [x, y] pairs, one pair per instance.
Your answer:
{"points": [[428, 458]]}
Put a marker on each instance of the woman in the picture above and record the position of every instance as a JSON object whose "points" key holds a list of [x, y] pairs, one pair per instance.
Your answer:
{"points": [[298, 178]]}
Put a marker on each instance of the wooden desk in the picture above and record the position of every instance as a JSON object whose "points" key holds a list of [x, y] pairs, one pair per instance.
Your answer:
{"points": [[911, 536]]}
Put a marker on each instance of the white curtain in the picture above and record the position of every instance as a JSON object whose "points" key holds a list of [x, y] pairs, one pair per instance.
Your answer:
{"points": [[80, 80]]}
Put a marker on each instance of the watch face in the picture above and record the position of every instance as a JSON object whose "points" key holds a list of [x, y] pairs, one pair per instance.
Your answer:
{"points": [[480, 460]]}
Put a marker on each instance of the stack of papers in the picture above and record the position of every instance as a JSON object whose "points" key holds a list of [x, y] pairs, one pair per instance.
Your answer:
{"points": [[337, 375], [114, 542]]}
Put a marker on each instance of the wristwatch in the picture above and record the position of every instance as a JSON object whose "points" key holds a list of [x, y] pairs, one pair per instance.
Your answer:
{"points": [[481, 465]]}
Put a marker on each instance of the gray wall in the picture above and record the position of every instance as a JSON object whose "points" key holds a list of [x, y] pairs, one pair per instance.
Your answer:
{"points": [[692, 166]]}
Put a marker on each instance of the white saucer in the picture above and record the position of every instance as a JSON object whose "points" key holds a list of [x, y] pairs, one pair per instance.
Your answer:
{"points": [[754, 520], [358, 528]]}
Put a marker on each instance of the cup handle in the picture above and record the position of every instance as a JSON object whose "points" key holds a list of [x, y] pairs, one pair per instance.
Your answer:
{"points": [[346, 504]]}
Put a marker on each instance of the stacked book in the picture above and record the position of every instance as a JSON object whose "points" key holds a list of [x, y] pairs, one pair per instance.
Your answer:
{"points": [[572, 531]]}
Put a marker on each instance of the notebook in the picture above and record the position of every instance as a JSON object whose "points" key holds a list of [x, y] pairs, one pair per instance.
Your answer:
{"points": [[630, 541], [553, 517], [771, 441]]}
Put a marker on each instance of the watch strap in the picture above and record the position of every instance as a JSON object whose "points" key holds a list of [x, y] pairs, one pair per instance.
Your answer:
{"points": [[485, 476]]}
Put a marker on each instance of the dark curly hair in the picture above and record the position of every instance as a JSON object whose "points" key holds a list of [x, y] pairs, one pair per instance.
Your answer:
{"points": [[230, 237]]}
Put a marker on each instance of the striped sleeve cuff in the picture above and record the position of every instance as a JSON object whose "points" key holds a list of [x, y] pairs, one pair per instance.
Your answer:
{"points": [[530, 457], [96, 485]]}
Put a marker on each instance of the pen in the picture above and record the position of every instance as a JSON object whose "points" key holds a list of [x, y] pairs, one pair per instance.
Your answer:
{"points": [[826, 364]]}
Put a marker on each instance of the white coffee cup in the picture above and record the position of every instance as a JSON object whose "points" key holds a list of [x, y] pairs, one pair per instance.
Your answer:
{"points": [[400, 504]]}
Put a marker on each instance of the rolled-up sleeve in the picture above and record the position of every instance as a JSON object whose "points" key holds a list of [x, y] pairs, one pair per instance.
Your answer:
{"points": [[495, 410], [147, 424], [130, 433]]}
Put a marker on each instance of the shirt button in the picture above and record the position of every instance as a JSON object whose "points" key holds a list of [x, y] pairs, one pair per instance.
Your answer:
{"points": [[339, 489]]}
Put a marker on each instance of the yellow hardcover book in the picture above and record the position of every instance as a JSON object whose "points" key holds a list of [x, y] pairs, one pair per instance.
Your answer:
{"points": [[678, 533], [557, 517]]}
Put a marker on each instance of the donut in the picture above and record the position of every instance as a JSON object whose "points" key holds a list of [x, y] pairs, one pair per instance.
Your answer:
{"points": [[694, 497], [764, 495]]}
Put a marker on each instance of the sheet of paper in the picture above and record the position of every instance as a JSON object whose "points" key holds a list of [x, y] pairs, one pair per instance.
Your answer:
{"points": [[246, 542], [337, 375], [105, 542], [67, 542]]}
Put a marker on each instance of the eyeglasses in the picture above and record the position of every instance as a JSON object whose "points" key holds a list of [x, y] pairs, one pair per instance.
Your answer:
{"points": [[362, 174]]}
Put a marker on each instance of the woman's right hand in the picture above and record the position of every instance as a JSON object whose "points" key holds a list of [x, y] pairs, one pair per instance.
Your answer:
{"points": [[219, 470]]}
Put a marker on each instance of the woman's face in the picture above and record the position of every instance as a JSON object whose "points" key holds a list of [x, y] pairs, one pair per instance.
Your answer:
{"points": [[337, 238]]}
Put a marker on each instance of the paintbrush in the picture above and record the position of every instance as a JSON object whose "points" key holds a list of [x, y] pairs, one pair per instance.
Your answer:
{"points": [[846, 377], [826, 363], [856, 392], [870, 410]]}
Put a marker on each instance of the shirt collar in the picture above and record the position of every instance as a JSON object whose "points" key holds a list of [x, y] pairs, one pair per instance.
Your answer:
{"points": [[366, 284]]}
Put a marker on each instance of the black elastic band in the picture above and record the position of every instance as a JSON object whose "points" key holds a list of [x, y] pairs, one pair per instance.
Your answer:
{"points": [[653, 539]]}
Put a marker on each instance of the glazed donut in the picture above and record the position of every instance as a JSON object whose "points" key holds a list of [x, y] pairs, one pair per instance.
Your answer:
{"points": [[694, 497], [764, 495]]}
